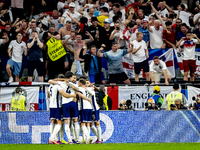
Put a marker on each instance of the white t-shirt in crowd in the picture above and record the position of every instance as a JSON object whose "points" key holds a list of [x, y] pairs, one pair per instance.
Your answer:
{"points": [[189, 49], [104, 5], [195, 17], [17, 50], [184, 16], [128, 2], [1, 41], [86, 14], [75, 15], [158, 68], [30, 31], [57, 23], [163, 13], [156, 40], [60, 5], [117, 36], [140, 55]]}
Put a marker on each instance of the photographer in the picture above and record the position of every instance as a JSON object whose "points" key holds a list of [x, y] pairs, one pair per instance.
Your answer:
{"points": [[125, 105], [177, 105], [195, 105], [19, 101], [175, 94], [104, 101], [155, 101], [122, 105]]}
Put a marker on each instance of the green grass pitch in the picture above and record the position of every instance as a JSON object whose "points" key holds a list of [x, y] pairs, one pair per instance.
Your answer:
{"points": [[122, 146]]}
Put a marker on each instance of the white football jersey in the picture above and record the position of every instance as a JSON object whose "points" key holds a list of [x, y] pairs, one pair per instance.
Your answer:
{"points": [[55, 96], [67, 90], [94, 104], [82, 103]]}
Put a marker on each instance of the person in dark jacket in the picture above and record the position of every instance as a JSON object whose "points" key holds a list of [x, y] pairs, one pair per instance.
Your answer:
{"points": [[104, 101], [93, 65]]}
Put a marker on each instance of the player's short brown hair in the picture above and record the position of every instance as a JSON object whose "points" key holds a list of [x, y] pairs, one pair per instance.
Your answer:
{"points": [[83, 81]]}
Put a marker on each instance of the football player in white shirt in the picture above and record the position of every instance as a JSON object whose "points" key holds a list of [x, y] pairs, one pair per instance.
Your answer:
{"points": [[96, 118], [85, 108], [55, 112], [18, 47], [70, 108]]}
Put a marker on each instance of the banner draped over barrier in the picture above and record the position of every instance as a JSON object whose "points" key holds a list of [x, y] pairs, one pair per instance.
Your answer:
{"points": [[6, 96], [137, 94], [117, 127]]}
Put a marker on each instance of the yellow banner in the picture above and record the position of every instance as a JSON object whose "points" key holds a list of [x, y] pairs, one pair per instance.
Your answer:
{"points": [[55, 49]]}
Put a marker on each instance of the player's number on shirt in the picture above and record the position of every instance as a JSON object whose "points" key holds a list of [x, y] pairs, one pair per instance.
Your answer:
{"points": [[87, 94], [51, 90], [68, 91]]}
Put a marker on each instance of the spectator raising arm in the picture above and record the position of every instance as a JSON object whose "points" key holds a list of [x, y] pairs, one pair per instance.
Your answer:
{"points": [[29, 45], [65, 45], [99, 54], [90, 36], [81, 9], [76, 21], [130, 49]]}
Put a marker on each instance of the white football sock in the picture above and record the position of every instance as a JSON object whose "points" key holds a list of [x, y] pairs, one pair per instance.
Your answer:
{"points": [[88, 128], [77, 130], [67, 131], [52, 125], [85, 132], [94, 130], [99, 133], [72, 131], [61, 133], [55, 131]]}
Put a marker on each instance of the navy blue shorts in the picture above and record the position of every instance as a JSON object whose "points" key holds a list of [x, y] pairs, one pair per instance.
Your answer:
{"points": [[70, 110], [95, 117], [142, 65], [86, 115], [55, 113], [35, 64], [113, 78]]}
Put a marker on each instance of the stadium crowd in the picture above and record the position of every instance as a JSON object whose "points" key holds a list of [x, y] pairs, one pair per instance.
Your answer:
{"points": [[86, 36]]}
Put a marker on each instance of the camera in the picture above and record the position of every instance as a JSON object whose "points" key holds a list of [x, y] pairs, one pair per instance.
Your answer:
{"points": [[150, 106], [128, 104]]}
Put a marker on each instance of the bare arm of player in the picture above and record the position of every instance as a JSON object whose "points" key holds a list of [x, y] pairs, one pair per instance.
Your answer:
{"points": [[61, 91], [48, 94], [83, 96], [72, 86]]}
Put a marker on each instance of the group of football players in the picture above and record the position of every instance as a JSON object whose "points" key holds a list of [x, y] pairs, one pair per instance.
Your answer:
{"points": [[71, 102]]}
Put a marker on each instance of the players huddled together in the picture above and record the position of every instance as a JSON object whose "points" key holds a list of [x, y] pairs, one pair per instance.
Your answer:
{"points": [[71, 103]]}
